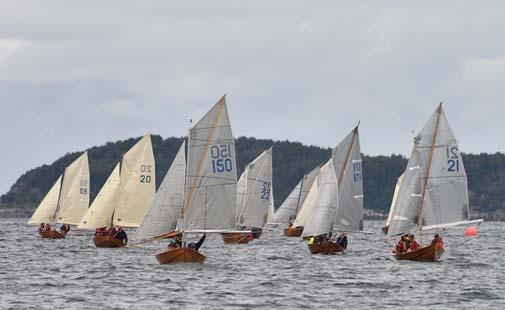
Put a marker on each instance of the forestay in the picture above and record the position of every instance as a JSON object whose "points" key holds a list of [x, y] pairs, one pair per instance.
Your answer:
{"points": [[137, 184], [100, 212], [289, 208], [347, 163], [74, 195], [167, 205], [254, 211], [45, 211], [211, 181], [308, 203]]}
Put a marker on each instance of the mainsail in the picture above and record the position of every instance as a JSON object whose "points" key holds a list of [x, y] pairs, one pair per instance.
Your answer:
{"points": [[74, 194], [211, 179], [289, 208], [167, 205], [127, 193], [310, 199], [348, 167], [45, 211], [434, 190], [393, 201], [271, 206], [254, 209], [322, 214]]}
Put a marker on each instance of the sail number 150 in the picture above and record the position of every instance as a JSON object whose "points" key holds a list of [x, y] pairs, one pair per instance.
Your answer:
{"points": [[221, 158]]}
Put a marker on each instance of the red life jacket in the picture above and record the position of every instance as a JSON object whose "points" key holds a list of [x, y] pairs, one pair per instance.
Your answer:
{"points": [[414, 245]]}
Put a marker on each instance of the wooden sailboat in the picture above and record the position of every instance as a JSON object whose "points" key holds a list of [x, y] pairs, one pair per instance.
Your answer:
{"points": [[66, 201], [211, 183], [253, 198], [289, 209], [346, 208], [393, 203], [433, 193], [125, 196]]}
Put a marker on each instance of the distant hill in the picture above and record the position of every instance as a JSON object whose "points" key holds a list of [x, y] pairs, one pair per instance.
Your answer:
{"points": [[486, 172]]}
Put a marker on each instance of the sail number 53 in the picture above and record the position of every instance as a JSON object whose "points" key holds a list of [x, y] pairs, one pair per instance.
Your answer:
{"points": [[221, 158], [453, 158]]}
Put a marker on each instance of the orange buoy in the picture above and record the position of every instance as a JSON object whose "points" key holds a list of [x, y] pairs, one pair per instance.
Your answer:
{"points": [[471, 231]]}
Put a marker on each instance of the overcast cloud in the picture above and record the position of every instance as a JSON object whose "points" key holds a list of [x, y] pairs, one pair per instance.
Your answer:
{"points": [[74, 74]]}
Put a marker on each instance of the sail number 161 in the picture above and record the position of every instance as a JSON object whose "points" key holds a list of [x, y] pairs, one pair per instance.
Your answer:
{"points": [[221, 158]]}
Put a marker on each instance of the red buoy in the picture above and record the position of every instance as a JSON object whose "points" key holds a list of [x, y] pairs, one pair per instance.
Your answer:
{"points": [[471, 231]]}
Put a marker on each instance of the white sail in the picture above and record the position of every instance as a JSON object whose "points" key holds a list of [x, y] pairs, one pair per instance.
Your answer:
{"points": [[166, 207], [310, 199], [435, 181], [100, 212], [348, 168], [137, 184], [323, 213], [393, 201], [289, 208], [254, 211], [271, 206], [74, 195], [241, 189], [45, 211], [211, 180]]}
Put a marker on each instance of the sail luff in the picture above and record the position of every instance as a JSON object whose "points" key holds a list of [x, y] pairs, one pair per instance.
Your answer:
{"points": [[45, 210]]}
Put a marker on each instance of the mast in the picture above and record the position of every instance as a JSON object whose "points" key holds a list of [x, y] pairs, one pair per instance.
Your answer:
{"points": [[427, 173]]}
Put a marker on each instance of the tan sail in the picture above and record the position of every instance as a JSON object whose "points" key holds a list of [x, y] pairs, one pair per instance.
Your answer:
{"points": [[45, 211]]}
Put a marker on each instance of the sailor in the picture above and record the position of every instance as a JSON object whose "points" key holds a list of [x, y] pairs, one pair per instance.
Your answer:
{"points": [[48, 227], [413, 243], [65, 228], [437, 241], [121, 235], [112, 231], [42, 228], [311, 240], [196, 246], [342, 240]]}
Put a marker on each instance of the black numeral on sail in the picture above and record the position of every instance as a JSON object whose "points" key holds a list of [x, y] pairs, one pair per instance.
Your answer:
{"points": [[356, 177], [143, 177], [221, 158], [452, 159], [265, 191], [83, 189]]}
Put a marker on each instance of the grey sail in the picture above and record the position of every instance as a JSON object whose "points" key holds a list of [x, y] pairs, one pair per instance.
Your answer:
{"points": [[256, 201], [324, 210], [347, 163], [165, 210], [211, 179], [241, 190], [289, 208], [434, 189]]}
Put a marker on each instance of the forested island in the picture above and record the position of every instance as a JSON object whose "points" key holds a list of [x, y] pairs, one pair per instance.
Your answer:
{"points": [[486, 173]]}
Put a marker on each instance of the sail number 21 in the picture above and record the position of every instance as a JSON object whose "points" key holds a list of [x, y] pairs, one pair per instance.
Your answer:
{"points": [[221, 158], [453, 158]]}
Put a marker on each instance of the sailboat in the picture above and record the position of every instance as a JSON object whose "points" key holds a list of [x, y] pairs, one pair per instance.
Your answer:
{"points": [[253, 198], [165, 210], [66, 201], [433, 194], [393, 203], [289, 209], [347, 165], [211, 184], [124, 198]]}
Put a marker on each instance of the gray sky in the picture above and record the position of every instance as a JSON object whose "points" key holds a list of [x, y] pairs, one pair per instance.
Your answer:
{"points": [[74, 74]]}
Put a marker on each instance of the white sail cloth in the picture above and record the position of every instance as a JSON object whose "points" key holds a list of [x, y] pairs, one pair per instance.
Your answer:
{"points": [[211, 180], [321, 218], [289, 208], [393, 201], [434, 190], [47, 207], [166, 207], [348, 167], [255, 203]]}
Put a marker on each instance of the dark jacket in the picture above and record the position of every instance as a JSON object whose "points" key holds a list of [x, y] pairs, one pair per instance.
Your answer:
{"points": [[121, 235], [342, 241]]}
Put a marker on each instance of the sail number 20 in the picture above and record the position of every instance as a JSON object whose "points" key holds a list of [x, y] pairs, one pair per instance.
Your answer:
{"points": [[221, 158], [453, 158], [145, 178]]}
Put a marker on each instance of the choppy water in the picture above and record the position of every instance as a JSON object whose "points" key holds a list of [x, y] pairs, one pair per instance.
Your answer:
{"points": [[273, 272]]}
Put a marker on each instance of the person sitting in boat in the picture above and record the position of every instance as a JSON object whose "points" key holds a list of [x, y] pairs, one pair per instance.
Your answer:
{"points": [[178, 240], [48, 227], [42, 228], [342, 240], [400, 246], [121, 235], [100, 231], [256, 232], [413, 243], [312, 240], [112, 231], [196, 246], [437, 241], [65, 228]]}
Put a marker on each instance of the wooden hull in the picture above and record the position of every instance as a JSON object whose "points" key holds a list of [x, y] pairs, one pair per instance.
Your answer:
{"points": [[328, 247], [52, 234], [235, 237], [430, 253], [180, 255], [108, 241], [293, 232]]}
